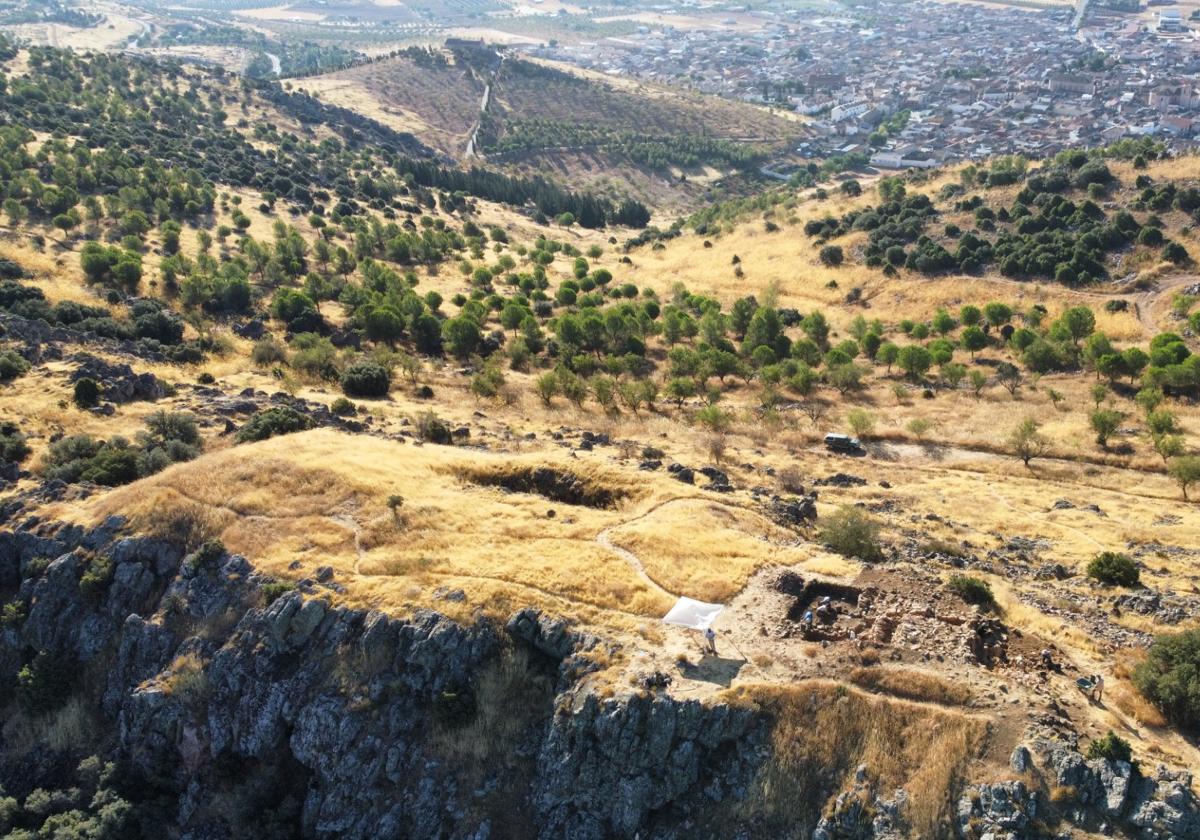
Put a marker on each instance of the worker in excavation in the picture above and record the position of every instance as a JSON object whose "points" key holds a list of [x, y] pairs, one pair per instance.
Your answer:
{"points": [[710, 640]]}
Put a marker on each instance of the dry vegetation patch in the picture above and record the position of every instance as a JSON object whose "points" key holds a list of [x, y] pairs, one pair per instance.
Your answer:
{"points": [[821, 732], [911, 684], [708, 549], [588, 487], [325, 498]]}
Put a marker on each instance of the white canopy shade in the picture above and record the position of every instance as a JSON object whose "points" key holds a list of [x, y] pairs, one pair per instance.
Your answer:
{"points": [[695, 615]]}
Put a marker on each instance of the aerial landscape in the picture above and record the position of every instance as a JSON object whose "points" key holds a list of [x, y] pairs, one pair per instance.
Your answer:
{"points": [[485, 419]]}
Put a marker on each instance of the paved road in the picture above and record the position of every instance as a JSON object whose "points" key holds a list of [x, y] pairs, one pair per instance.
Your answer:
{"points": [[484, 102]]}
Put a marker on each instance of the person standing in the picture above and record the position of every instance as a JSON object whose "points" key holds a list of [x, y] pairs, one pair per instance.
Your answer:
{"points": [[710, 640]]}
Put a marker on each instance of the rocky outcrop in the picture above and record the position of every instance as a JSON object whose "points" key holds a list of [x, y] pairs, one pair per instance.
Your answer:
{"points": [[118, 383], [42, 340], [373, 726], [794, 511], [1095, 794], [349, 723], [622, 768], [999, 811], [1161, 806], [860, 812]]}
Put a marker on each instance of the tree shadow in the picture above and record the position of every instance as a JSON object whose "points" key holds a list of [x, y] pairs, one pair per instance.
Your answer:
{"points": [[881, 451], [934, 450]]}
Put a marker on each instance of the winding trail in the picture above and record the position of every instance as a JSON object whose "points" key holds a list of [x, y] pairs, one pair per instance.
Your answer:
{"points": [[1149, 303], [347, 521], [484, 102], [549, 593], [604, 538]]}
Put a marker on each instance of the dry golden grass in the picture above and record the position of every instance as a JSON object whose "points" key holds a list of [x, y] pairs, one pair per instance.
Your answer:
{"points": [[508, 695], [789, 258], [56, 273], [1127, 698], [1130, 701], [69, 727], [823, 731], [111, 32], [186, 679], [709, 549], [320, 498], [911, 684]]}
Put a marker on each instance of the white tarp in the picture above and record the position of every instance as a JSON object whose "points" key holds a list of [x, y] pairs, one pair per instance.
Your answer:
{"points": [[695, 615]]}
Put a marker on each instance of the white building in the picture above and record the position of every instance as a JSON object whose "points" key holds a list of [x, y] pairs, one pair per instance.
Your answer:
{"points": [[849, 110]]}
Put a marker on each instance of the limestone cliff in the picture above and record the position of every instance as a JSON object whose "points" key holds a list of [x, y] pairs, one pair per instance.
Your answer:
{"points": [[228, 705]]}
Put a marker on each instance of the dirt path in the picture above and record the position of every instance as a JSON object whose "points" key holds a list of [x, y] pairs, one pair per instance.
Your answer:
{"points": [[549, 593], [1171, 742], [1083, 535], [604, 539], [945, 456], [1149, 305], [348, 521]]}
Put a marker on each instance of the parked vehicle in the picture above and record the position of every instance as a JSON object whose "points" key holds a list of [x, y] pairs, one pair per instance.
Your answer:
{"points": [[842, 443]]}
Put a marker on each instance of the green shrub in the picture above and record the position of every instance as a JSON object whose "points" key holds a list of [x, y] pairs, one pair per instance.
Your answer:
{"points": [[342, 407], [13, 614], [1170, 677], [44, 684], [1114, 569], [433, 429], [1111, 747], [268, 352], [84, 458], [273, 591], [488, 381], [366, 379], [831, 255], [206, 556], [314, 356], [87, 392], [169, 437], [12, 365], [271, 422], [13, 448], [96, 579], [851, 532], [972, 590], [206, 378]]}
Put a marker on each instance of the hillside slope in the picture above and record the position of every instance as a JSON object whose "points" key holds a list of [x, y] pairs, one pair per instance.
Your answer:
{"points": [[664, 147], [343, 497]]}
